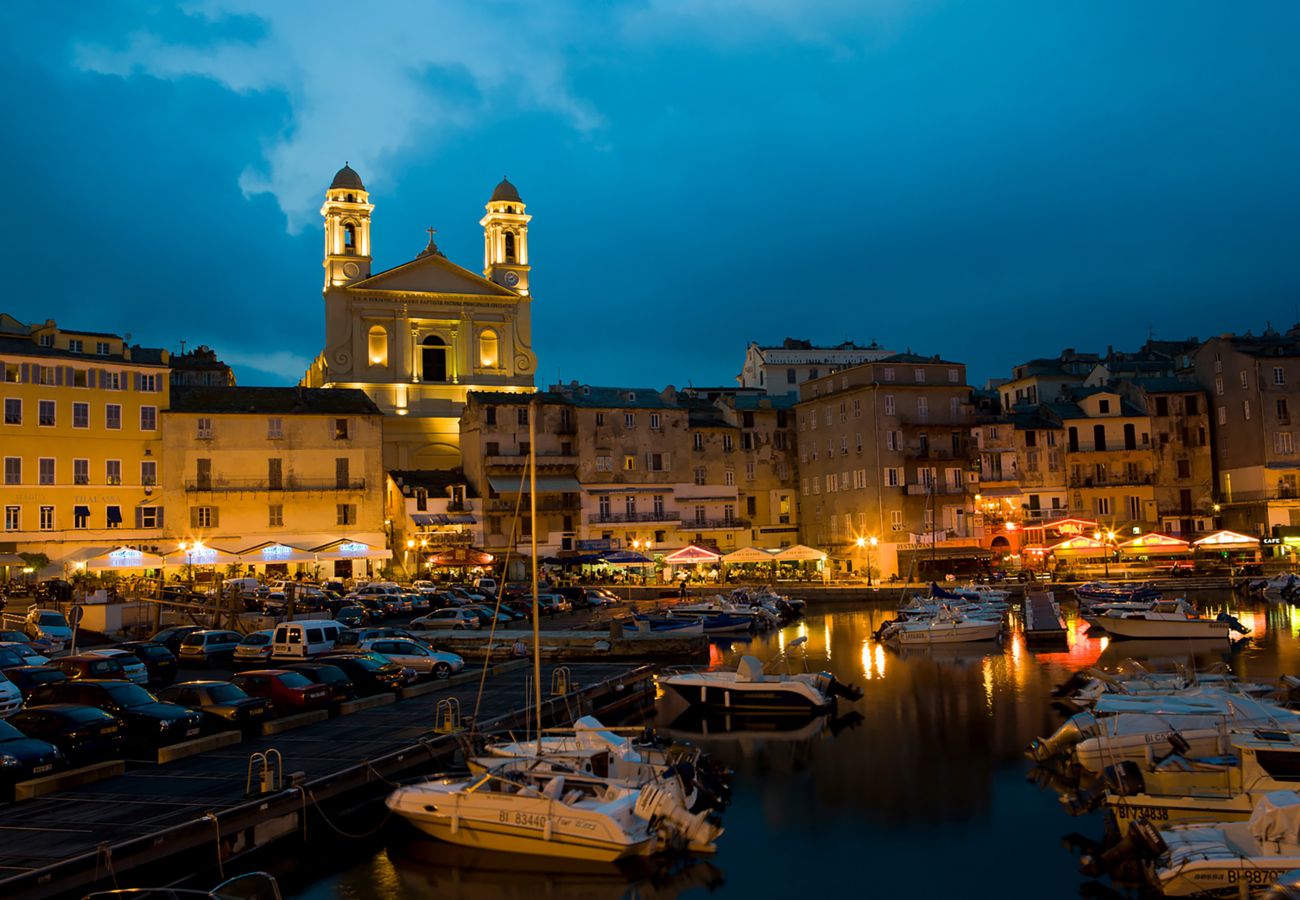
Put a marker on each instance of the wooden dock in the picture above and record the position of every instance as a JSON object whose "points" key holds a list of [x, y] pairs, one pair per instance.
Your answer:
{"points": [[1044, 624], [156, 822]]}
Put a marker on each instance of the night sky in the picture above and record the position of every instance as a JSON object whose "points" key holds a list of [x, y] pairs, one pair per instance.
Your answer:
{"points": [[991, 181]]}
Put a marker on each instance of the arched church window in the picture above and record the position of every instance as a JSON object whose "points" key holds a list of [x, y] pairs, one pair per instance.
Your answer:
{"points": [[489, 353], [378, 346], [351, 198], [349, 238], [433, 359], [510, 247]]}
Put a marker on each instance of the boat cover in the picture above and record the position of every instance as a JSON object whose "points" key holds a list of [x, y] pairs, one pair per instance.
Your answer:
{"points": [[750, 670], [593, 730], [1276, 818]]}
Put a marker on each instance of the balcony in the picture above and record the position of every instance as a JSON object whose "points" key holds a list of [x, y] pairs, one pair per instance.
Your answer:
{"points": [[1280, 492], [266, 485], [1117, 481], [716, 524], [518, 460], [446, 538], [629, 518], [562, 503], [936, 488]]}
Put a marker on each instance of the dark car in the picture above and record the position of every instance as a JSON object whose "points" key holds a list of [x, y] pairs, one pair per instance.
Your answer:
{"points": [[85, 734], [375, 609], [334, 678], [80, 667], [149, 723], [222, 704], [160, 661], [290, 692], [11, 658], [29, 678], [171, 637], [21, 637], [23, 757], [368, 675], [351, 616]]}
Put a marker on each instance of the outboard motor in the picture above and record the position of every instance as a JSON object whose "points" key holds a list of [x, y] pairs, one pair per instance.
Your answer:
{"points": [[1071, 684], [1125, 778], [1075, 729], [1178, 746], [837, 688], [1233, 623]]}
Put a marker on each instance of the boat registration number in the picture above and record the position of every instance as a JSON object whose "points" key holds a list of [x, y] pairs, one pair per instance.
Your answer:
{"points": [[530, 820], [1154, 813], [45, 768], [1254, 876]]}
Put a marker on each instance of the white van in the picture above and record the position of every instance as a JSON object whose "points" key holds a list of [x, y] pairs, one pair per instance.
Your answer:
{"points": [[304, 639]]}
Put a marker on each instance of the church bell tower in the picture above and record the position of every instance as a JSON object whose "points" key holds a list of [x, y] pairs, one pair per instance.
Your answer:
{"points": [[505, 239], [347, 229]]}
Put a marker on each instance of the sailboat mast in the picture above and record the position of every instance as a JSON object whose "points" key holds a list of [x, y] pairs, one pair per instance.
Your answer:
{"points": [[533, 408]]}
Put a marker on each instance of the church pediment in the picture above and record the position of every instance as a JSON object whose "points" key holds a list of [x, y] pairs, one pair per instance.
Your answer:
{"points": [[432, 274]]}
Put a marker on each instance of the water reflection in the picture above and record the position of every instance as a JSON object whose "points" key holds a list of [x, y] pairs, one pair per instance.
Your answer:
{"points": [[929, 766]]}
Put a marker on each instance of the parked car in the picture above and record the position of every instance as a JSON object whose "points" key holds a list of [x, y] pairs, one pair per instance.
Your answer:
{"points": [[130, 663], [84, 734], [486, 585], [294, 641], [417, 656], [368, 675], [353, 638], [351, 616], [416, 602], [171, 637], [486, 614], [29, 678], [254, 649], [19, 637], [10, 659], [11, 698], [374, 607], [334, 678], [149, 723], [160, 662], [222, 704], [27, 651], [23, 757], [209, 647], [50, 626], [290, 692], [446, 618], [85, 665]]}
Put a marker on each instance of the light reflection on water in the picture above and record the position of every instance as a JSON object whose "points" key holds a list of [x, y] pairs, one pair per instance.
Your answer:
{"points": [[927, 796]]}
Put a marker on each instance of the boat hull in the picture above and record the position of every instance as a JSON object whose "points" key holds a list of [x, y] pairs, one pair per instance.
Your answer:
{"points": [[759, 699], [489, 836], [1190, 810], [1156, 629], [1223, 876], [949, 633]]}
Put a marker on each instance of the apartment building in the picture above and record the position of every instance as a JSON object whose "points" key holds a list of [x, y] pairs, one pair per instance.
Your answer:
{"points": [[1022, 476], [1182, 465], [431, 514], [294, 475], [81, 440], [885, 451], [1253, 384], [779, 370]]}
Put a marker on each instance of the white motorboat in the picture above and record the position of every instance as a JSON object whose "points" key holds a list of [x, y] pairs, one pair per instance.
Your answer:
{"points": [[982, 592], [594, 749], [1231, 857], [719, 606], [751, 689], [947, 627], [928, 608], [1183, 790], [1200, 729], [526, 806], [1167, 619], [1085, 688]]}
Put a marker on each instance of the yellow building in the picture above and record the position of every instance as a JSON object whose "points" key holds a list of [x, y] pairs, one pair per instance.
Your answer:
{"points": [[81, 440], [293, 475], [420, 336]]}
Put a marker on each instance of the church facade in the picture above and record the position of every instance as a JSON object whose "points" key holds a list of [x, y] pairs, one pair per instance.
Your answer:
{"points": [[417, 338]]}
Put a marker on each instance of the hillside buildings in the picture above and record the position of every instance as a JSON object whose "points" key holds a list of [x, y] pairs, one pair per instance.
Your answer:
{"points": [[779, 370]]}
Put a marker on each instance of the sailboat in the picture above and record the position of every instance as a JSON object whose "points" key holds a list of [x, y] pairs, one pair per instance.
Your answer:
{"points": [[538, 805]]}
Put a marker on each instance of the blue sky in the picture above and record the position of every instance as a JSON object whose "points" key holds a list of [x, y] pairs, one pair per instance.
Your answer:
{"points": [[991, 181]]}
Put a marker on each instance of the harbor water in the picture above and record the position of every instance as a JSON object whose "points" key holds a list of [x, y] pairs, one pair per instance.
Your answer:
{"points": [[920, 789]]}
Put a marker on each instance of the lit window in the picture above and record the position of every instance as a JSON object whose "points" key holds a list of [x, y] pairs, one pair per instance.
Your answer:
{"points": [[488, 349]]}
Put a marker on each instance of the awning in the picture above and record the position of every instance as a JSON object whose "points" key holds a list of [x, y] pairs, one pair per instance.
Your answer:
{"points": [[344, 549], [692, 554], [461, 519], [82, 512], [272, 552], [428, 519], [199, 555], [618, 489], [1081, 545], [799, 553], [748, 555], [924, 553], [1155, 544], [1224, 540], [114, 515], [462, 556], [625, 558], [125, 558], [1000, 493], [546, 484], [11, 559]]}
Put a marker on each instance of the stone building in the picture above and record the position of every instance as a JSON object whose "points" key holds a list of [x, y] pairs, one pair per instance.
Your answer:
{"points": [[419, 337], [779, 370], [885, 452], [200, 368]]}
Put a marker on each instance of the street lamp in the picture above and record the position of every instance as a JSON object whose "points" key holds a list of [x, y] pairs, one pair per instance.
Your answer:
{"points": [[868, 543]]}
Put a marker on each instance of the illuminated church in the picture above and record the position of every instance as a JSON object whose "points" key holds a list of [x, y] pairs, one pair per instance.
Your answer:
{"points": [[418, 337]]}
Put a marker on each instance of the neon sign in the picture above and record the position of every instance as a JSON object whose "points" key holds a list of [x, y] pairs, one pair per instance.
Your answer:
{"points": [[353, 548], [277, 551]]}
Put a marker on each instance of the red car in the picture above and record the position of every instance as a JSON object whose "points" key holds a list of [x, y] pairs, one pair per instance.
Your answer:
{"points": [[289, 692]]}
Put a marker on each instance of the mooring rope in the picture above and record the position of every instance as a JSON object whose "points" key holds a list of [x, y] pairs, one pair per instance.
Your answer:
{"points": [[355, 837]]}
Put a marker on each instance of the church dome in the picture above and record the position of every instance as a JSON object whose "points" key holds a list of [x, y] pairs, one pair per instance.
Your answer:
{"points": [[348, 179], [505, 191]]}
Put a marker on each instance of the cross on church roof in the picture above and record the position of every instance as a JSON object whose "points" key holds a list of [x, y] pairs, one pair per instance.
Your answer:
{"points": [[432, 248]]}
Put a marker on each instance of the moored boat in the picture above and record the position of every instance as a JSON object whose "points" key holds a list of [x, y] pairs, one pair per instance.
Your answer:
{"points": [[750, 688], [1166, 620]]}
